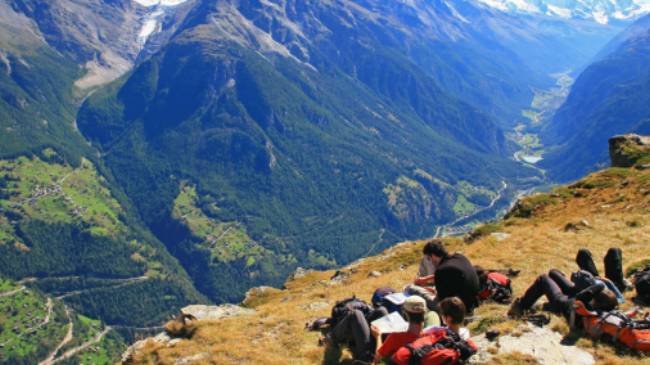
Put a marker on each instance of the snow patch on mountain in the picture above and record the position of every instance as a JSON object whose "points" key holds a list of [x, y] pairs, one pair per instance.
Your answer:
{"points": [[150, 3], [601, 11], [152, 21]]}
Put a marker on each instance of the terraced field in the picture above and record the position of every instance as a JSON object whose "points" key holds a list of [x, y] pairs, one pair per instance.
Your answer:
{"points": [[226, 241]]}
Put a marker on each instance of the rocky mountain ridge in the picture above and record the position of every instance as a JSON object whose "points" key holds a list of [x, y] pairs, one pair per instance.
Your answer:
{"points": [[601, 11]]}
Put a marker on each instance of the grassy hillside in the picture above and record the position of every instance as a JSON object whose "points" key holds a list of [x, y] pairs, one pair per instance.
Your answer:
{"points": [[613, 206], [62, 226]]}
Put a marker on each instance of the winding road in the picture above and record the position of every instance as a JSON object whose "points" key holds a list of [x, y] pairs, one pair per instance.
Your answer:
{"points": [[118, 283], [13, 292], [440, 230], [70, 353]]}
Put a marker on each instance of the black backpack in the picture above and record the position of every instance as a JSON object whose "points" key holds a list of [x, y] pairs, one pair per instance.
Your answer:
{"points": [[642, 284], [345, 306]]}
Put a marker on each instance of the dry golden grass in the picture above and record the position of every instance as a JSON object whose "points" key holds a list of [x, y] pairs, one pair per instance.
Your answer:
{"points": [[514, 358], [276, 335]]}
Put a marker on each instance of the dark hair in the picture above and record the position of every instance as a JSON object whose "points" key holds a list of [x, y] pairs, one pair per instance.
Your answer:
{"points": [[454, 308], [413, 317], [482, 275], [435, 247], [605, 300]]}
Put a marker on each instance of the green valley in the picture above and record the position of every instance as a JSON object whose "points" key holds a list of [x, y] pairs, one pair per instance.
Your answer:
{"points": [[155, 154]]}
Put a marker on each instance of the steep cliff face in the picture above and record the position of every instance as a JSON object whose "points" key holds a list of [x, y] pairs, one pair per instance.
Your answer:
{"points": [[605, 209]]}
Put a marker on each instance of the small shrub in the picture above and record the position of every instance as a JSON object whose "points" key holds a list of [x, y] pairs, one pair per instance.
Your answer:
{"points": [[637, 266], [482, 231], [526, 207]]}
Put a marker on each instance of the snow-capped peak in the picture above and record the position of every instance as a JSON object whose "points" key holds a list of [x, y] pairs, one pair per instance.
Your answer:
{"points": [[601, 11]]}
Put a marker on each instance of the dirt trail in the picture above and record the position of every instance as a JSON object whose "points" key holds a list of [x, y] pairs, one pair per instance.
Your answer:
{"points": [[13, 292], [70, 353], [68, 337], [50, 306]]}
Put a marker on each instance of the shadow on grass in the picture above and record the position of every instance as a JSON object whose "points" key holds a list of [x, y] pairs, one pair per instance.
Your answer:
{"points": [[571, 338], [333, 356]]}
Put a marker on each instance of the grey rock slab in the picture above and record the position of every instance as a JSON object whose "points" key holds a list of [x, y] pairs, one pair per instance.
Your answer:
{"points": [[212, 313], [500, 236], [542, 343]]}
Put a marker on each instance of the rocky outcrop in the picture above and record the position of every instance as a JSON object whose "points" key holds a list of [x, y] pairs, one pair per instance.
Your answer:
{"points": [[629, 149], [544, 344], [201, 313], [213, 313]]}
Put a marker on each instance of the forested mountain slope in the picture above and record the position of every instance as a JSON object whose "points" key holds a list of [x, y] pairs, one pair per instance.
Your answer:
{"points": [[303, 134], [62, 218]]}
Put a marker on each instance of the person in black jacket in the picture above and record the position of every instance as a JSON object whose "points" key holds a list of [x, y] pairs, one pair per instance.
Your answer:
{"points": [[455, 275]]}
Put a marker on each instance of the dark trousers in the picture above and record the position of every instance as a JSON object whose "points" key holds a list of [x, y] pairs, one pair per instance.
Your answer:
{"points": [[557, 288], [613, 265], [585, 261], [354, 330]]}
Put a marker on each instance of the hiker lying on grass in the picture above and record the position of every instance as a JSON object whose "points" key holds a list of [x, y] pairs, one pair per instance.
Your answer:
{"points": [[561, 294], [613, 260]]}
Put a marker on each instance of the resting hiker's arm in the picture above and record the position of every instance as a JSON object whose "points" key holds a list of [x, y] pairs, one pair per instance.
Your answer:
{"points": [[424, 280], [588, 294], [377, 334]]}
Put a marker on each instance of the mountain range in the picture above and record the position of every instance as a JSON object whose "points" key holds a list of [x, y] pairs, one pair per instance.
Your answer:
{"points": [[601, 11], [157, 153]]}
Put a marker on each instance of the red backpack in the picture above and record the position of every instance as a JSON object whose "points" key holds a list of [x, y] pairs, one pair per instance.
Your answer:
{"points": [[633, 333], [436, 348], [497, 288]]}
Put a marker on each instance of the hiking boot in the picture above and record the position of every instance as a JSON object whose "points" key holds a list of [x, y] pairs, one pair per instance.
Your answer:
{"points": [[627, 286], [516, 310]]}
